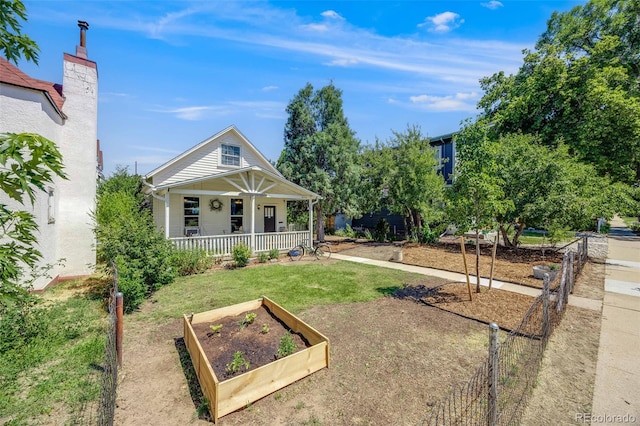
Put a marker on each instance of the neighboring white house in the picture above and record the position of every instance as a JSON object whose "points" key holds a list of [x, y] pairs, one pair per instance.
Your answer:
{"points": [[67, 115], [223, 192]]}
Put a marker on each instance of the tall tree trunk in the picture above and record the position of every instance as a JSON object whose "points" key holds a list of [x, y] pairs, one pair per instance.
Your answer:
{"points": [[319, 222], [477, 260], [505, 236], [519, 232], [419, 225]]}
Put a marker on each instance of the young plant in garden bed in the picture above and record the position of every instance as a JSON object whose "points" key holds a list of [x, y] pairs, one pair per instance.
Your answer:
{"points": [[265, 328], [238, 362], [287, 346], [216, 328], [248, 319]]}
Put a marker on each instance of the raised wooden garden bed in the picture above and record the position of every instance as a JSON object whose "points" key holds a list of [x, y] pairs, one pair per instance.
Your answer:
{"points": [[229, 395]]}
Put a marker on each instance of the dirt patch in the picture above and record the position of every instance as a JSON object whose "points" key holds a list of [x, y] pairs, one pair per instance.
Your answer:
{"points": [[390, 360], [567, 377], [258, 341]]}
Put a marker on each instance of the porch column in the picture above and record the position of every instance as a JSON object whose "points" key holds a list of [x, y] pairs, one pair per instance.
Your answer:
{"points": [[253, 223], [166, 214], [311, 203]]}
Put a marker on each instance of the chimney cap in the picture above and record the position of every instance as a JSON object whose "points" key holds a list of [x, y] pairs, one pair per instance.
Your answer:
{"points": [[83, 25]]}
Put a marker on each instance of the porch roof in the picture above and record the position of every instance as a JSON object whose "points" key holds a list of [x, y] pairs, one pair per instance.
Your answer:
{"points": [[252, 180]]}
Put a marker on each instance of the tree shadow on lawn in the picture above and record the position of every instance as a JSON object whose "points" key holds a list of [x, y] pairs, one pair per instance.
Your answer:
{"points": [[200, 403], [414, 292]]}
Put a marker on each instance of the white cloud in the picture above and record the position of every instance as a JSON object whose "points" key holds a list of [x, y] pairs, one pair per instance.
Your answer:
{"points": [[316, 27], [343, 62], [194, 113], [493, 4], [269, 88], [443, 22], [332, 14], [457, 102]]}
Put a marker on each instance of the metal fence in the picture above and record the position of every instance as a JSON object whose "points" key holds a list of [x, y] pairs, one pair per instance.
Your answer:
{"points": [[109, 377], [497, 392]]}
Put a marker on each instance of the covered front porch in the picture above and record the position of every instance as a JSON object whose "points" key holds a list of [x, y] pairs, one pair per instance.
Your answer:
{"points": [[217, 212]]}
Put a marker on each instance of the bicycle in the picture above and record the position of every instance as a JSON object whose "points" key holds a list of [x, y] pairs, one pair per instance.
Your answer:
{"points": [[320, 251]]}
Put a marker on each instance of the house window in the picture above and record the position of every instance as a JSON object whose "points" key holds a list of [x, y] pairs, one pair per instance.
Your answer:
{"points": [[230, 155], [191, 212], [237, 212], [51, 206]]}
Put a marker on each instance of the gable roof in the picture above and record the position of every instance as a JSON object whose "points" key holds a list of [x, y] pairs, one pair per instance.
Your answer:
{"points": [[10, 74], [212, 139]]}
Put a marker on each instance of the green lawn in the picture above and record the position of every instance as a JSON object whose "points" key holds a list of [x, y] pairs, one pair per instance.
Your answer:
{"points": [[295, 287], [51, 379]]}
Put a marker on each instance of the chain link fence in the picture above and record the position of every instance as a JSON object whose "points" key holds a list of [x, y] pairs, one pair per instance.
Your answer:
{"points": [[497, 392]]}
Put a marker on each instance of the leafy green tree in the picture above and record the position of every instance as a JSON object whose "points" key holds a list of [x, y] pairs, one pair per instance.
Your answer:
{"points": [[580, 85], [320, 152], [476, 196], [402, 176], [14, 44], [547, 188], [127, 236]]}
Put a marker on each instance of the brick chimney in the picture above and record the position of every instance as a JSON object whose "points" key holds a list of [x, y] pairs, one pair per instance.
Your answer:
{"points": [[81, 51]]}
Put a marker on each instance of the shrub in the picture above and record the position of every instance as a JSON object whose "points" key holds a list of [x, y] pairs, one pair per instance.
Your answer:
{"points": [[346, 232], [241, 254], [381, 230], [274, 253], [263, 257], [635, 227], [130, 283], [126, 234], [367, 234], [189, 262]]}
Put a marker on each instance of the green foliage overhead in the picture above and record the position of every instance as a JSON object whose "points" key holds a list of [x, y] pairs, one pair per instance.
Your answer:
{"points": [[13, 44], [320, 152], [580, 86]]}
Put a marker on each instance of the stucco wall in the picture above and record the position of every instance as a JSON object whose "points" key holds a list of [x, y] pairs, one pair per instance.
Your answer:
{"points": [[25, 110], [70, 236], [78, 147]]}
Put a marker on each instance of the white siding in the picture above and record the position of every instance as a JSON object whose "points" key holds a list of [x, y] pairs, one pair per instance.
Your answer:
{"points": [[206, 161]]}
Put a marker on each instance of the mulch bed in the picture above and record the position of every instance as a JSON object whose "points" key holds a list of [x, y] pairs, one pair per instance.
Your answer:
{"points": [[502, 307]]}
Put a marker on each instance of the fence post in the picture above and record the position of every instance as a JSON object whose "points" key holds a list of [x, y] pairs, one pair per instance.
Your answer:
{"points": [[545, 310], [564, 278], [493, 375], [571, 270], [586, 248], [580, 257], [119, 326]]}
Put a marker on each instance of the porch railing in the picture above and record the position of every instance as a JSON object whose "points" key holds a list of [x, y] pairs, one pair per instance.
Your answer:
{"points": [[221, 245]]}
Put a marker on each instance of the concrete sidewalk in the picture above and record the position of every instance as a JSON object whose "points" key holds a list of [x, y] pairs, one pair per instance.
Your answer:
{"points": [[580, 302], [616, 396]]}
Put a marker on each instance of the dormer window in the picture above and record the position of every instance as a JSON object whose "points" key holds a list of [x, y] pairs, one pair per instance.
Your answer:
{"points": [[230, 155]]}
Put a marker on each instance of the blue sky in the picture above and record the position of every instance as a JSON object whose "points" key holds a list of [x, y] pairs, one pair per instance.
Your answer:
{"points": [[171, 74]]}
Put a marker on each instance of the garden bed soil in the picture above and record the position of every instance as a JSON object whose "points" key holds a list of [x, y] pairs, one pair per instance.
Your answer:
{"points": [[257, 347]]}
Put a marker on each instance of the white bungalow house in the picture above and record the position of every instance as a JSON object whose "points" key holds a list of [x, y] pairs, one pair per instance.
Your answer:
{"points": [[66, 114], [223, 192]]}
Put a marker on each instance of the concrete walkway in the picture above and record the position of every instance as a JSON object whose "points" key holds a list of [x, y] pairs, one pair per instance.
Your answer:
{"points": [[617, 387], [580, 302]]}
